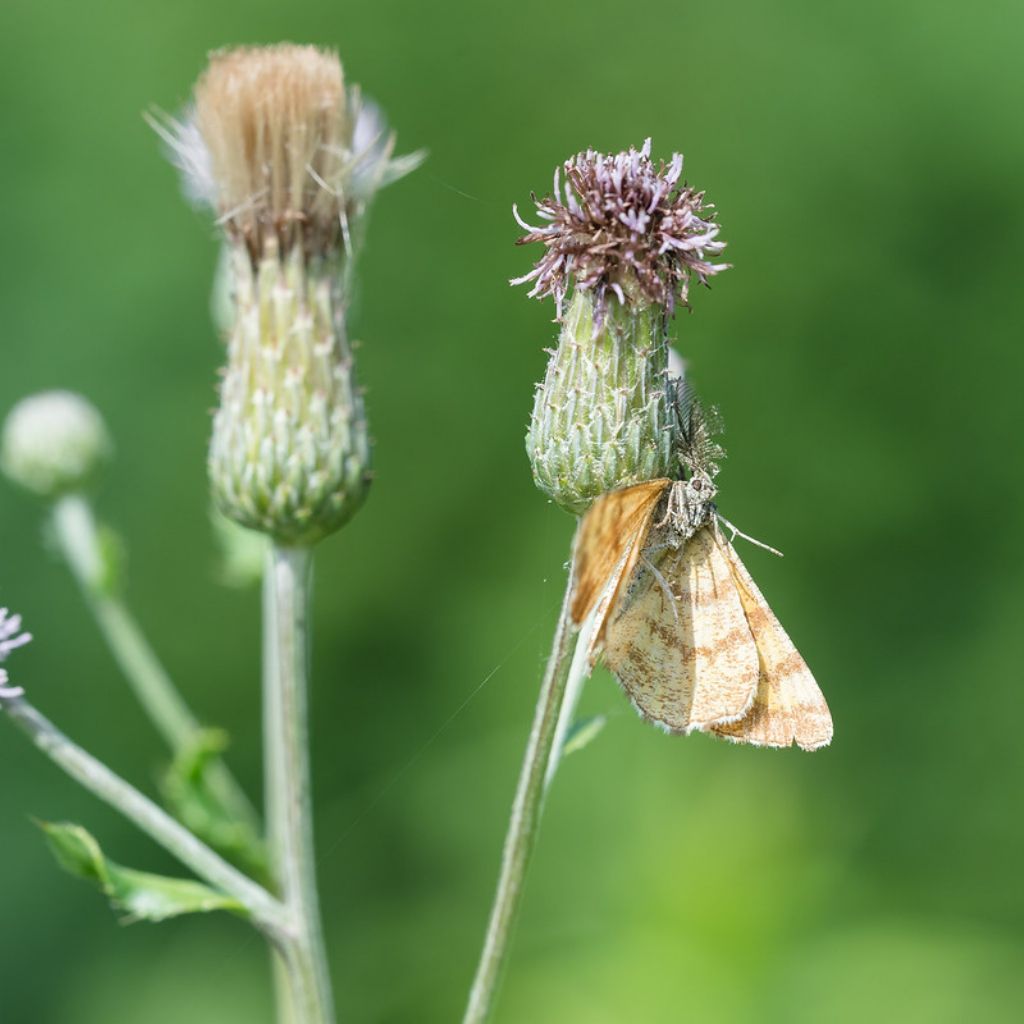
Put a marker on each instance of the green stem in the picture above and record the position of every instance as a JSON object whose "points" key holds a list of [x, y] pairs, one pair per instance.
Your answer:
{"points": [[289, 806], [579, 670], [524, 823], [284, 1001], [78, 539], [284, 997], [267, 912]]}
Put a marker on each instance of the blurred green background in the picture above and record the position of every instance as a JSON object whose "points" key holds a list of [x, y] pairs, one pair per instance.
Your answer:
{"points": [[866, 354]]}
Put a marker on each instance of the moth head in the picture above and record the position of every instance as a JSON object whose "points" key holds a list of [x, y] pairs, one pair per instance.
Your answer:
{"points": [[690, 505], [700, 489]]}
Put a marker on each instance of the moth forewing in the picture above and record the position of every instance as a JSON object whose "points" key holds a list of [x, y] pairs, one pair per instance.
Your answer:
{"points": [[611, 537], [679, 643], [789, 706]]}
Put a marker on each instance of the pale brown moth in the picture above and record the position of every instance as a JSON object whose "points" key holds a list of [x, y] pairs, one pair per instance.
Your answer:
{"points": [[676, 616]]}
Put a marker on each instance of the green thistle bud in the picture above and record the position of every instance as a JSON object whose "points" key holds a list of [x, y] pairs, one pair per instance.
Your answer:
{"points": [[628, 238], [54, 443], [289, 158], [602, 418], [290, 452]]}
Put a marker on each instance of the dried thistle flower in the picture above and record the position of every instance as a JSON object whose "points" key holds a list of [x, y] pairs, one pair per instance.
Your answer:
{"points": [[276, 144], [289, 158], [619, 226], [53, 442], [11, 638]]}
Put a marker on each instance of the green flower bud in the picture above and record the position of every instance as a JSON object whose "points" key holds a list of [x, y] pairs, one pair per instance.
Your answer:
{"points": [[602, 417], [53, 443], [290, 452]]}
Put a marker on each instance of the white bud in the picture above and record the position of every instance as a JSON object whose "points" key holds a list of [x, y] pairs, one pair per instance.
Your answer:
{"points": [[53, 443]]}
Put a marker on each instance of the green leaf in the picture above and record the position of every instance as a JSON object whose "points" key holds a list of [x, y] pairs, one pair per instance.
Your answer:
{"points": [[582, 732], [142, 896], [191, 793]]}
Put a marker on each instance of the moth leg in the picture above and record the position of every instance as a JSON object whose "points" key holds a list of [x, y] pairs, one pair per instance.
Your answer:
{"points": [[671, 507], [663, 583]]}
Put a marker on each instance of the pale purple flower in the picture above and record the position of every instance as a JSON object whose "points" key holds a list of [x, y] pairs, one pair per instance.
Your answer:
{"points": [[11, 638], [620, 227]]}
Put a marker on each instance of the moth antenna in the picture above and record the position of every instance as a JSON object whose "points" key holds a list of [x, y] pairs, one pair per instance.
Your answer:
{"points": [[699, 426], [736, 532]]}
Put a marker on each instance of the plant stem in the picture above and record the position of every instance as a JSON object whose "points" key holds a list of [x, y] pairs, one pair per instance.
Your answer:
{"points": [[78, 539], [288, 799], [524, 822], [267, 912], [579, 670], [287, 1011]]}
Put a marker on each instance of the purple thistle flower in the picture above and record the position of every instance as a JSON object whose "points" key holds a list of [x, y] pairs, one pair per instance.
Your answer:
{"points": [[620, 226]]}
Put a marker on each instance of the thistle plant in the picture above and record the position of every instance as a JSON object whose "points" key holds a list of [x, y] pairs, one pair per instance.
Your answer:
{"points": [[623, 241], [288, 157]]}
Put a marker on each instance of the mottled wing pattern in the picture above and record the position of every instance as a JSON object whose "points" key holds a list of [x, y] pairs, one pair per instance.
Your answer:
{"points": [[688, 662], [789, 707], [611, 537]]}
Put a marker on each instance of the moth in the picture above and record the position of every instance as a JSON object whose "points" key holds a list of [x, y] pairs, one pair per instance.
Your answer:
{"points": [[675, 615]]}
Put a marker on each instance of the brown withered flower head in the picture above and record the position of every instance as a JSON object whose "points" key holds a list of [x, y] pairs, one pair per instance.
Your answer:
{"points": [[282, 148], [620, 226]]}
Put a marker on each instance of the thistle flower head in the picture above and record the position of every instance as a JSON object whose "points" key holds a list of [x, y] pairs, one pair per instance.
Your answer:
{"points": [[279, 147], [11, 637], [288, 157], [624, 229], [53, 442]]}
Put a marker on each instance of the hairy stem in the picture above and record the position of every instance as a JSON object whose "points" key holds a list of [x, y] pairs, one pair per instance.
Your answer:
{"points": [[524, 822], [93, 775], [78, 539], [288, 799]]}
